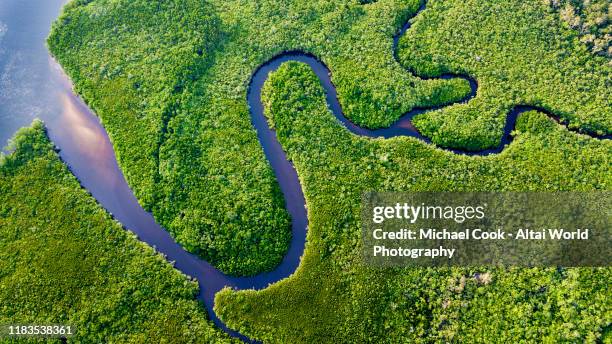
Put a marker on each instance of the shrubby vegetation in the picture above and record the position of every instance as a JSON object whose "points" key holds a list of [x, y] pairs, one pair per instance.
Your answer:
{"points": [[334, 298], [520, 54], [64, 260], [193, 158], [169, 81], [132, 61], [591, 19]]}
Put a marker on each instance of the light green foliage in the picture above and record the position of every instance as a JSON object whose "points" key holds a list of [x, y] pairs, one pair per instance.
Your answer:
{"points": [[335, 298], [520, 54], [63, 260], [129, 60], [212, 188], [132, 61], [590, 18], [190, 153]]}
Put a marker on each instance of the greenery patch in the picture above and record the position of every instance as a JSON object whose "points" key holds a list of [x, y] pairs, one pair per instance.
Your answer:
{"points": [[591, 19], [169, 81], [64, 260], [520, 54], [335, 298], [189, 151]]}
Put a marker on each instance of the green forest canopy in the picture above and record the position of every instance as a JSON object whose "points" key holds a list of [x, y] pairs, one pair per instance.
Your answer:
{"points": [[182, 68], [335, 298], [63, 260], [169, 79]]}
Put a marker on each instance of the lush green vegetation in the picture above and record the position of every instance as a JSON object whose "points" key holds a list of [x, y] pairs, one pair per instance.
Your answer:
{"points": [[64, 260], [197, 163], [134, 62], [169, 81], [591, 19], [520, 54], [335, 298]]}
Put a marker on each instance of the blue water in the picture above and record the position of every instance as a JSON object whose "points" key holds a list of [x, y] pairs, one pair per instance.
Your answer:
{"points": [[28, 88]]}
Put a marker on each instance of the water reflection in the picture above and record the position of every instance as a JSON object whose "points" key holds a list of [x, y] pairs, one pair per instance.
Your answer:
{"points": [[86, 148], [33, 85], [28, 88]]}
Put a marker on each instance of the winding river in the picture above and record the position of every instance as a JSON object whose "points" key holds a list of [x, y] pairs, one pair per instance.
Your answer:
{"points": [[85, 147]]}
